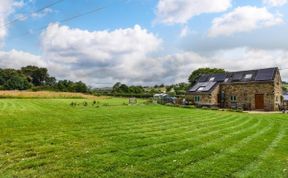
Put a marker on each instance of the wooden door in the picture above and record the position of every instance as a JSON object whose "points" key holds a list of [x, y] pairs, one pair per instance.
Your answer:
{"points": [[259, 101]]}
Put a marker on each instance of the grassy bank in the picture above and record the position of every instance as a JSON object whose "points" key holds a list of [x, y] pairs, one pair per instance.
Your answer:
{"points": [[44, 95]]}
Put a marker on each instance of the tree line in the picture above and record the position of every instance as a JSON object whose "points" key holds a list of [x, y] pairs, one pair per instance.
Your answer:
{"points": [[37, 78]]}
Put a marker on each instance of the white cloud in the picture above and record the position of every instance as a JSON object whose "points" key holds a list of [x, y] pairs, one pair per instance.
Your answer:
{"points": [[41, 14], [18, 4], [18, 59], [101, 58], [6, 8], [181, 11], [98, 56], [184, 31], [275, 2], [167, 69], [178, 66], [243, 19]]}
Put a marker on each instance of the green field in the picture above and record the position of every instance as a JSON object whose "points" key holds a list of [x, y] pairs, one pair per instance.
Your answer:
{"points": [[50, 138]]}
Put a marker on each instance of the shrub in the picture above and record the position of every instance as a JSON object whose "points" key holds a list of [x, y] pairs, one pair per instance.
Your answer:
{"points": [[105, 104], [214, 108], [187, 106], [169, 104]]}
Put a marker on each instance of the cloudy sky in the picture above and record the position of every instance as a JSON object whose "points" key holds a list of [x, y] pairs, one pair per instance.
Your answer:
{"points": [[142, 42]]}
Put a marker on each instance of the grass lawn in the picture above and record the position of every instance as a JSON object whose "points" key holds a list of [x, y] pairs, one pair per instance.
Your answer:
{"points": [[50, 138]]}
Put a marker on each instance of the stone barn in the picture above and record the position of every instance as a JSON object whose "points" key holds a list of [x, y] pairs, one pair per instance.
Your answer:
{"points": [[249, 90]]}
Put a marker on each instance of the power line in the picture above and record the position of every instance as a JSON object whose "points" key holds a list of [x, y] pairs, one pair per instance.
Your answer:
{"points": [[65, 20], [81, 15], [37, 11]]}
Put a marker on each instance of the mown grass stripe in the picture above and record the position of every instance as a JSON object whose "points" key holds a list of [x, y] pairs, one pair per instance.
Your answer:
{"points": [[246, 171], [184, 155], [187, 134], [219, 160], [155, 144], [218, 138], [146, 129]]}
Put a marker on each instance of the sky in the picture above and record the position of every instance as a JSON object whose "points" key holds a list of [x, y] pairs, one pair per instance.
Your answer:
{"points": [[142, 42]]}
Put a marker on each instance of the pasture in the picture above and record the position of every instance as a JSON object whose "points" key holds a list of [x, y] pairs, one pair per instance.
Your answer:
{"points": [[51, 138]]}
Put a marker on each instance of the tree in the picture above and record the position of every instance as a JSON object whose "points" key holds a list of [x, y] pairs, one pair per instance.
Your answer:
{"points": [[197, 73], [80, 87], [51, 81], [36, 75], [17, 83], [29, 76], [285, 89], [116, 87], [136, 89], [123, 88], [11, 79], [64, 85]]}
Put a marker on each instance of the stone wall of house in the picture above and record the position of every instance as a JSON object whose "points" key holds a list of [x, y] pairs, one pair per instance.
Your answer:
{"points": [[245, 94], [205, 98], [278, 92]]}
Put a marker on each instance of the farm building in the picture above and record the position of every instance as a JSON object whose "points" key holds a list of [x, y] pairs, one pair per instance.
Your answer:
{"points": [[249, 90]]}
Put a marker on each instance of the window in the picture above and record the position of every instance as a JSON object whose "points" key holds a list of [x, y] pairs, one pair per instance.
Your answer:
{"points": [[211, 79], [233, 98], [201, 88], [248, 76], [196, 98]]}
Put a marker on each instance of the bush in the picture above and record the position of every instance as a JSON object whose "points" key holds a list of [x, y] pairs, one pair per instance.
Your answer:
{"points": [[239, 110], [214, 108], [187, 106], [147, 102], [17, 83], [169, 104]]}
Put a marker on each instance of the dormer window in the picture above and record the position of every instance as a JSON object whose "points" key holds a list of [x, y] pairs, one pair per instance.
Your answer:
{"points": [[248, 76], [211, 79]]}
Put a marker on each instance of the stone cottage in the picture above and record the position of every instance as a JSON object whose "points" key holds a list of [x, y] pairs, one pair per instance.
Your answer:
{"points": [[250, 90]]}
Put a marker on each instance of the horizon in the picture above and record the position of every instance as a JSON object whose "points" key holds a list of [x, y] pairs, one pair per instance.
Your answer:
{"points": [[142, 43]]}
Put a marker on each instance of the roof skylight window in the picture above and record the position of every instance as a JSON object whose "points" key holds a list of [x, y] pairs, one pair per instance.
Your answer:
{"points": [[248, 76], [211, 79], [201, 88]]}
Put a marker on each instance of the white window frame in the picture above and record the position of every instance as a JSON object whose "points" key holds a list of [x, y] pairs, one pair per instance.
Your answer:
{"points": [[233, 98]]}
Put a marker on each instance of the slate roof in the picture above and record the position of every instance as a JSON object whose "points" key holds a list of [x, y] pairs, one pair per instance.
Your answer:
{"points": [[202, 87], [208, 81]]}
